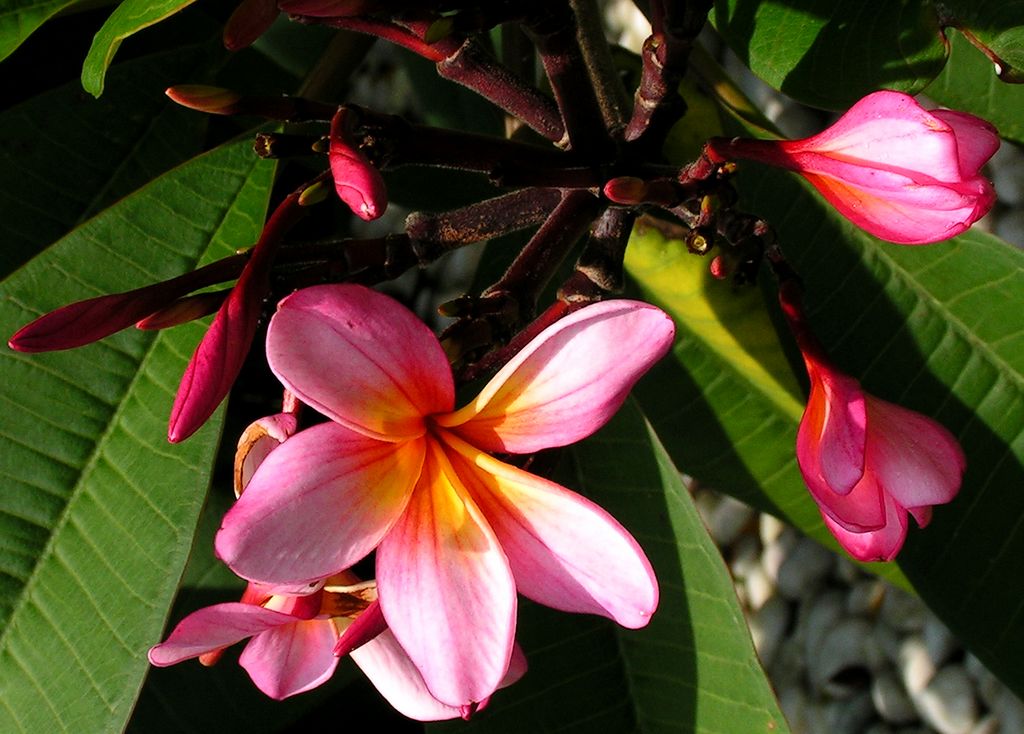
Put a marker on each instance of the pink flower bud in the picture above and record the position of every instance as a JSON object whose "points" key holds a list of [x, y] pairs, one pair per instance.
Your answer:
{"points": [[357, 182], [205, 98], [867, 462], [898, 171]]}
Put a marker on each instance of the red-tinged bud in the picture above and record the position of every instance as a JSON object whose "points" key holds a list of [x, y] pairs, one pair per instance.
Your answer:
{"points": [[183, 310], [626, 190], [219, 357], [718, 268], [205, 98], [357, 182], [87, 321], [251, 19]]}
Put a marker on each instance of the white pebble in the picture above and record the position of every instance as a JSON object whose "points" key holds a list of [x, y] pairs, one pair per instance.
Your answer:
{"points": [[915, 664], [745, 556], [816, 617], [849, 716], [947, 702], [774, 554], [1010, 711], [1010, 226], [888, 640], [727, 519], [767, 626], [864, 597], [890, 700], [939, 640], [988, 725], [842, 665], [1007, 172], [797, 709], [902, 611], [804, 569], [769, 528], [759, 588]]}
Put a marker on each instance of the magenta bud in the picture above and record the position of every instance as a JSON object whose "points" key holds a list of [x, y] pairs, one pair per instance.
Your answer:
{"points": [[356, 181], [87, 321]]}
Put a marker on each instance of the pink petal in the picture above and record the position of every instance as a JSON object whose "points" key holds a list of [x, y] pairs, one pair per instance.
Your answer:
{"points": [[292, 658], [446, 589], [391, 671], [317, 504], [565, 551], [915, 459], [890, 131], [977, 140], [214, 627], [360, 358], [356, 181], [874, 545], [919, 214], [831, 438], [567, 382]]}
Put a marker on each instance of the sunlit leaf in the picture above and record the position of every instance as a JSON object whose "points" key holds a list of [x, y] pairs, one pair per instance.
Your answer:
{"points": [[130, 17], [830, 53], [98, 510]]}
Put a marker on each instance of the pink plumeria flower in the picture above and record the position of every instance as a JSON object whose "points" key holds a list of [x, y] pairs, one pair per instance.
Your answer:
{"points": [[867, 462], [457, 531], [898, 171], [293, 640]]}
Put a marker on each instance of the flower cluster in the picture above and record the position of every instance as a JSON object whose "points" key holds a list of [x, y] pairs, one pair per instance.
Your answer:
{"points": [[431, 496], [457, 532]]}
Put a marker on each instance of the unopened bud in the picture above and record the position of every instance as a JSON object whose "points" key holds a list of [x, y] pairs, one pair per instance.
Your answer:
{"points": [[626, 190], [205, 98], [356, 181], [718, 268]]}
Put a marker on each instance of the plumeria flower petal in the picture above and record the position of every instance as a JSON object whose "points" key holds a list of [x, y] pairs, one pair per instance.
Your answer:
{"points": [[440, 573], [326, 477], [292, 658], [898, 171], [327, 350], [568, 381], [565, 551]]}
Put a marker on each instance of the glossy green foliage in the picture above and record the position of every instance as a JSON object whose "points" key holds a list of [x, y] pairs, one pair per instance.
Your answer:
{"points": [[98, 510]]}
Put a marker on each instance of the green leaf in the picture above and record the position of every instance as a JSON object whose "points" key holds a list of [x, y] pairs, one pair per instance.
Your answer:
{"points": [[20, 18], [969, 83], [936, 328], [130, 17], [996, 24], [693, 668], [98, 510], [56, 170], [830, 53]]}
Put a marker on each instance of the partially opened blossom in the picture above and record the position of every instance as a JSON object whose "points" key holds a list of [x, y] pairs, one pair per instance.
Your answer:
{"points": [[898, 171], [457, 531], [867, 462]]}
